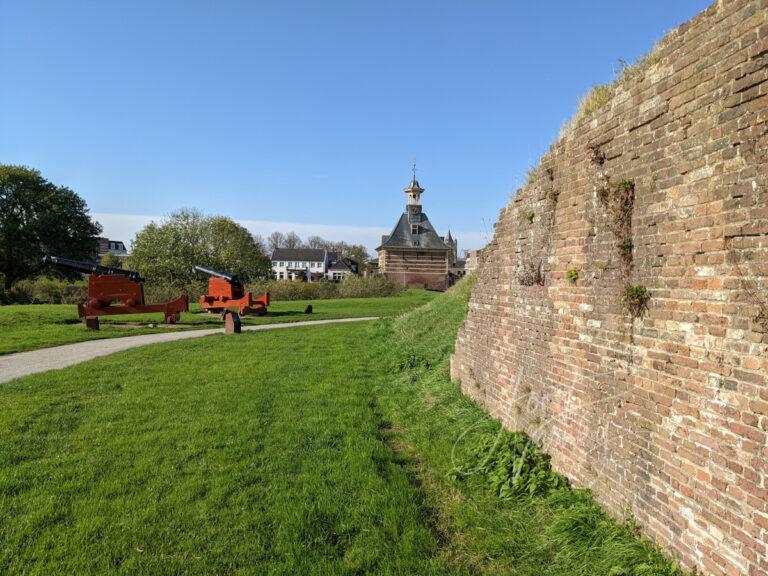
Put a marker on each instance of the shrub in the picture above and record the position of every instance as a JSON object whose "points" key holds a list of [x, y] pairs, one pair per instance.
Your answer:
{"points": [[512, 464], [294, 290], [529, 215], [351, 287], [155, 292], [44, 290], [572, 275], [636, 299], [360, 287]]}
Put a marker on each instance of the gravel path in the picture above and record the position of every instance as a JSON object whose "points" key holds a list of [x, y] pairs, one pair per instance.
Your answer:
{"points": [[25, 363]]}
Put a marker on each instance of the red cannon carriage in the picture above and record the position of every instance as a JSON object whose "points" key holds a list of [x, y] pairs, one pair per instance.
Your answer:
{"points": [[225, 291], [114, 291]]}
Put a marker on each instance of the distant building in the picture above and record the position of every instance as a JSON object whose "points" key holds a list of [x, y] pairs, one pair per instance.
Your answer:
{"points": [[473, 259], [413, 254], [311, 264], [340, 268], [371, 267], [456, 266], [115, 247]]}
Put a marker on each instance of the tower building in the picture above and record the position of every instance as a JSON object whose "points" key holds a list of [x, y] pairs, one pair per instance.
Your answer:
{"points": [[413, 254]]}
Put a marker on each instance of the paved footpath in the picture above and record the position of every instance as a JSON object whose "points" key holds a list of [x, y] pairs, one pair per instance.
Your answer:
{"points": [[25, 363]]}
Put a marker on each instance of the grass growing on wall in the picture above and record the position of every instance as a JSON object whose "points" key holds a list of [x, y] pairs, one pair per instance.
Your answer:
{"points": [[628, 74]]}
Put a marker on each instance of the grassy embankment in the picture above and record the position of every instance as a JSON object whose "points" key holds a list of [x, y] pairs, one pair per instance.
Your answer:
{"points": [[33, 326], [320, 450]]}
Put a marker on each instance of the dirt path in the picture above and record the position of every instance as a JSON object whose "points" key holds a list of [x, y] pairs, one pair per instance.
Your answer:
{"points": [[24, 363]]}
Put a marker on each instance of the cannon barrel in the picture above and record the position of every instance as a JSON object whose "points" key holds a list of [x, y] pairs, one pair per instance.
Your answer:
{"points": [[89, 268], [231, 278]]}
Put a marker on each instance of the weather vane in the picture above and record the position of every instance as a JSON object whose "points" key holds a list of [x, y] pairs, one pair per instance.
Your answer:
{"points": [[413, 167]]}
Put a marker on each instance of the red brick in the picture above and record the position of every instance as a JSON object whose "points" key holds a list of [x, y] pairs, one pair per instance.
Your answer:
{"points": [[683, 390]]}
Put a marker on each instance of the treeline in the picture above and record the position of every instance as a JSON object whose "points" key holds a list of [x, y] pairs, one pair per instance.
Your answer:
{"points": [[38, 217], [356, 252], [44, 290]]}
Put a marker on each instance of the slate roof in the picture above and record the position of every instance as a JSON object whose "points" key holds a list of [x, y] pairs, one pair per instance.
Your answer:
{"points": [[300, 254], [344, 265], [401, 236]]}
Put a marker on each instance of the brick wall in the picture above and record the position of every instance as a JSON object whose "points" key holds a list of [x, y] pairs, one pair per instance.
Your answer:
{"points": [[416, 268], [663, 411]]}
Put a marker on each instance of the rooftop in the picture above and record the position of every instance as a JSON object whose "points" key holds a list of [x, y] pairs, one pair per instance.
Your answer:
{"points": [[302, 254], [402, 235]]}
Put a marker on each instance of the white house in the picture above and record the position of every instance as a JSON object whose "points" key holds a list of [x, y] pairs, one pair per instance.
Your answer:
{"points": [[115, 247], [311, 263]]}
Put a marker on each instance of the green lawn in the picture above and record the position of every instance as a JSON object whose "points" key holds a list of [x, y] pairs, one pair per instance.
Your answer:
{"points": [[30, 327], [319, 450]]}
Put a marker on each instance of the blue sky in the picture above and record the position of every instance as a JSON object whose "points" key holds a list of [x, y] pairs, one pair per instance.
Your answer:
{"points": [[304, 115]]}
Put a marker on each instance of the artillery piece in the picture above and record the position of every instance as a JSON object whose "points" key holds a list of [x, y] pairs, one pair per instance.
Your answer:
{"points": [[114, 291], [226, 291]]}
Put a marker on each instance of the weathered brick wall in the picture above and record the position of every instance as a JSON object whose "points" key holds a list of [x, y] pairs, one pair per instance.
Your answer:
{"points": [[663, 414], [416, 268]]}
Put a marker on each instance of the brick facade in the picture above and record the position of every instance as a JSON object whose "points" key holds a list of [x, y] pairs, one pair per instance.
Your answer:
{"points": [[662, 411], [416, 268]]}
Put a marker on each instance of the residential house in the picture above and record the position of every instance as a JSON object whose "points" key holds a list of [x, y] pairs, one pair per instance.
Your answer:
{"points": [[311, 264], [114, 247]]}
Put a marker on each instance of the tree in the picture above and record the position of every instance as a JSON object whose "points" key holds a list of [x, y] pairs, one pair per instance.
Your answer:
{"points": [[317, 242], [38, 218], [358, 253], [275, 240], [292, 240], [165, 253], [110, 261], [261, 243]]}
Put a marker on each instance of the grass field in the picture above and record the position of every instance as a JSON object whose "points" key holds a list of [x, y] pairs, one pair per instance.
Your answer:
{"points": [[321, 450], [30, 327]]}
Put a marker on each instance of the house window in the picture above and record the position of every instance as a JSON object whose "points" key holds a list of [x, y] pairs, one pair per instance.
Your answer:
{"points": [[280, 276], [282, 264], [414, 228]]}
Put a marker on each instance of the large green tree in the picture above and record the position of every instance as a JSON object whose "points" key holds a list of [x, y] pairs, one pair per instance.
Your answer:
{"points": [[37, 218], [165, 252]]}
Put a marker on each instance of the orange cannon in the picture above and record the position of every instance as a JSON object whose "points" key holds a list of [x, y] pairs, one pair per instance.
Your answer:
{"points": [[113, 291], [225, 291]]}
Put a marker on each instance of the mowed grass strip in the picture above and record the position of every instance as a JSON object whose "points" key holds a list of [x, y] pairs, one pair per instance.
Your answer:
{"points": [[563, 532], [35, 326], [256, 454]]}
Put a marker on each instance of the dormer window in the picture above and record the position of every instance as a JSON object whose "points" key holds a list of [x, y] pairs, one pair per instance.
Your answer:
{"points": [[414, 228]]}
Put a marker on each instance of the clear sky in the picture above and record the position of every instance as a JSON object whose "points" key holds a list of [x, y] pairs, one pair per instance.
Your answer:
{"points": [[304, 115]]}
